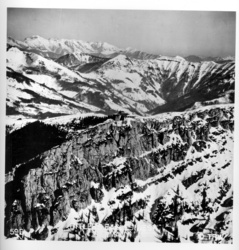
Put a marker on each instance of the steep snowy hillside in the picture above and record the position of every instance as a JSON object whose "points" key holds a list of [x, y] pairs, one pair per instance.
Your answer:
{"points": [[164, 178], [170, 83], [28, 98], [31, 63]]}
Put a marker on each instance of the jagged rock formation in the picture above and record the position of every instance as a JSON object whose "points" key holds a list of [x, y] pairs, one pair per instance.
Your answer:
{"points": [[114, 180]]}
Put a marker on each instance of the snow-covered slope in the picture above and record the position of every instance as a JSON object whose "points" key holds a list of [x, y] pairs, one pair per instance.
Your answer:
{"points": [[164, 80], [28, 98], [31, 63]]}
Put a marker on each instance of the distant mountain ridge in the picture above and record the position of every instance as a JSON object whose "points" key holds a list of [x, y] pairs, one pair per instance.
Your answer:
{"points": [[55, 48], [193, 58]]}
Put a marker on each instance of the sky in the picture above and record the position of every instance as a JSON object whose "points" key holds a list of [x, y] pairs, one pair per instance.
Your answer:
{"points": [[183, 33]]}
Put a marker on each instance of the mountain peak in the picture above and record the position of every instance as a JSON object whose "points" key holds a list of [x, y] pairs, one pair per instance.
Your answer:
{"points": [[122, 59], [36, 41], [34, 37], [180, 58]]}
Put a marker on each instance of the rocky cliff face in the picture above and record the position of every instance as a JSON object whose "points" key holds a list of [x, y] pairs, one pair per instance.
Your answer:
{"points": [[113, 181]]}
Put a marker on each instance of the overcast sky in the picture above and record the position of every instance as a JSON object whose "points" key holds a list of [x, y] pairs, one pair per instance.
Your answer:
{"points": [[160, 32]]}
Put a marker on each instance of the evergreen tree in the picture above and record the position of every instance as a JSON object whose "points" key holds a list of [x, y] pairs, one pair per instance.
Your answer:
{"points": [[204, 203]]}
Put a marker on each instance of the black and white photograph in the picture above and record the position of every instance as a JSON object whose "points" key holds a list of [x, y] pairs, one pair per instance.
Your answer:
{"points": [[119, 125]]}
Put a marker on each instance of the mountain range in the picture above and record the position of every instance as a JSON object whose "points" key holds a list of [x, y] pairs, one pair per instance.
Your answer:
{"points": [[123, 82]]}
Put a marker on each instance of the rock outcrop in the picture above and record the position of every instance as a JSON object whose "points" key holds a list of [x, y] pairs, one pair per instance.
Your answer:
{"points": [[140, 159]]}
